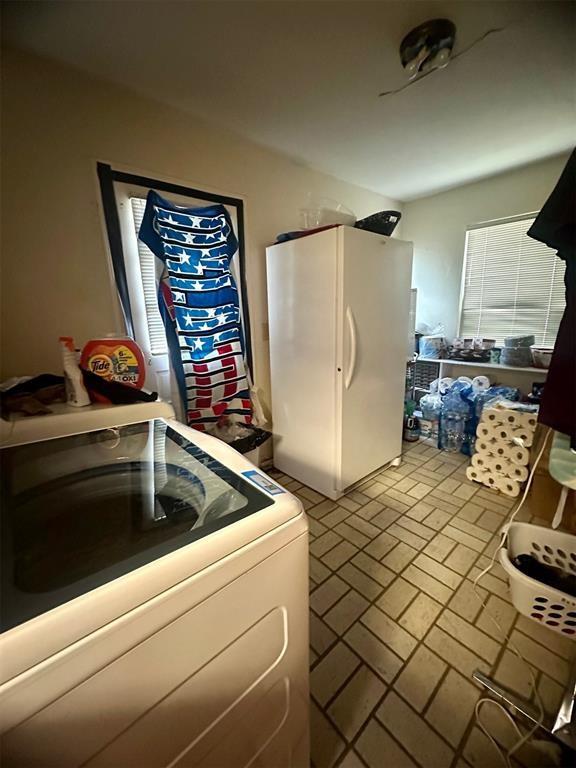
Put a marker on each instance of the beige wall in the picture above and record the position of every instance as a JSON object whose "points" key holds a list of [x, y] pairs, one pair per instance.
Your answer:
{"points": [[57, 123], [437, 225]]}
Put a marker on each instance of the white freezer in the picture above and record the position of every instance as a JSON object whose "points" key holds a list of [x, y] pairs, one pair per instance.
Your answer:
{"points": [[338, 305]]}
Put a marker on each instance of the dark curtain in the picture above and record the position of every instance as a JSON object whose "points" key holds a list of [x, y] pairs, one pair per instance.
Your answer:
{"points": [[555, 226]]}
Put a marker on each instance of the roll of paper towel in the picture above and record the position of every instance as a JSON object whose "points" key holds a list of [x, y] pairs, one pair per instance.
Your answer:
{"points": [[511, 418], [480, 460], [475, 473], [527, 421], [502, 432], [508, 486], [485, 431], [480, 383], [524, 434], [498, 466], [500, 449], [485, 446], [503, 438], [518, 472], [492, 416], [490, 479], [518, 455], [515, 419]]}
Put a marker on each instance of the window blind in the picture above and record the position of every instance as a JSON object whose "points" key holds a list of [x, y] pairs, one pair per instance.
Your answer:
{"points": [[156, 330], [512, 284]]}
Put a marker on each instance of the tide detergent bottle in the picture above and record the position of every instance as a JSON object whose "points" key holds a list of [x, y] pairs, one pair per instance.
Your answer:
{"points": [[115, 359]]}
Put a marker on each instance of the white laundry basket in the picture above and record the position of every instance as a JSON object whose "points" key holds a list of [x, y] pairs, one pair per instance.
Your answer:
{"points": [[551, 607]]}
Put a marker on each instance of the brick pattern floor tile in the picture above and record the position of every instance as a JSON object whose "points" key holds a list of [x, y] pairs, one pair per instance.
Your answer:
{"points": [[339, 555], [461, 559], [438, 571], [318, 571], [362, 583], [346, 611], [328, 593], [414, 733], [397, 597], [439, 547], [378, 748], [372, 568], [496, 618], [399, 557], [472, 638], [397, 628], [420, 616], [551, 694], [351, 760], [324, 543], [420, 511], [329, 674], [332, 519], [381, 545], [453, 706], [391, 633], [326, 745], [419, 677], [512, 674], [369, 509], [465, 601], [377, 655], [427, 583], [458, 656], [350, 710]]}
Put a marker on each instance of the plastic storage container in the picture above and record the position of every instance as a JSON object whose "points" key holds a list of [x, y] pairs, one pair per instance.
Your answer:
{"points": [[432, 347], [541, 356], [115, 359], [550, 607], [520, 357]]}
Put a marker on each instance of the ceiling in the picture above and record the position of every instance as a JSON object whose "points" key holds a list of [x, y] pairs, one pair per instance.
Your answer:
{"points": [[303, 78]]}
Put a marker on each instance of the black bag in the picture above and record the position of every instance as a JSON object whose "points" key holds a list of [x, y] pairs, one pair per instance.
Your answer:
{"points": [[382, 223]]}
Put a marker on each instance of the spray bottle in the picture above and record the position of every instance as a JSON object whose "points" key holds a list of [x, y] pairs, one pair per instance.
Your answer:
{"points": [[76, 393]]}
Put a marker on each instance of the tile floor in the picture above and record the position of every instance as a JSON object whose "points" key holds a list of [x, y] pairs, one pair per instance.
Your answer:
{"points": [[396, 629]]}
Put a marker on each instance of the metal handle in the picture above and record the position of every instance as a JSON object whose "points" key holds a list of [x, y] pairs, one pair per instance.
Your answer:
{"points": [[353, 346]]}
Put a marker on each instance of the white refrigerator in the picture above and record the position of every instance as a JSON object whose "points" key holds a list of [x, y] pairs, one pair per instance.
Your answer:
{"points": [[338, 306]]}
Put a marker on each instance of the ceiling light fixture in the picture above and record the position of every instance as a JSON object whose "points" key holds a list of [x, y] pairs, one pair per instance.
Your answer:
{"points": [[428, 47]]}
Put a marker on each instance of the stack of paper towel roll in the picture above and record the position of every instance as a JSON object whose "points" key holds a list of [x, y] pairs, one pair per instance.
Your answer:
{"points": [[503, 439]]}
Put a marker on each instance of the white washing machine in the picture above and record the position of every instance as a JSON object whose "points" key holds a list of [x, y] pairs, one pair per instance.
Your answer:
{"points": [[154, 598]]}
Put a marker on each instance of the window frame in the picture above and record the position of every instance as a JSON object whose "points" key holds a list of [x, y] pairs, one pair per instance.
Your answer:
{"points": [[133, 269], [107, 176], [474, 227]]}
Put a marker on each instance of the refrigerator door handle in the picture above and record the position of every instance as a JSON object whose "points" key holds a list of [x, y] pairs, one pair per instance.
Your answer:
{"points": [[353, 347]]}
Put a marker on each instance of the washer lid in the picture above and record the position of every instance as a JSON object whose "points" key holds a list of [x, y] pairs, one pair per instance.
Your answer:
{"points": [[82, 510], [66, 419]]}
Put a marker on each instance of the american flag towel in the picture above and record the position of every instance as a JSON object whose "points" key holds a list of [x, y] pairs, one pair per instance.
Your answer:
{"points": [[198, 300]]}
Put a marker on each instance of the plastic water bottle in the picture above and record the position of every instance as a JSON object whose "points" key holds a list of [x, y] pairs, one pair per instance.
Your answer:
{"points": [[430, 406], [453, 416], [452, 431]]}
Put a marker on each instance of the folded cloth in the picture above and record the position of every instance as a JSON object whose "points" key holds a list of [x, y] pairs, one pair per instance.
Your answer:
{"points": [[32, 396]]}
